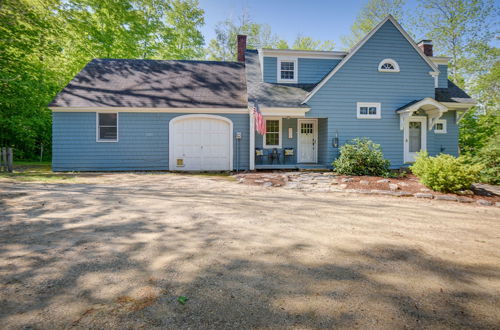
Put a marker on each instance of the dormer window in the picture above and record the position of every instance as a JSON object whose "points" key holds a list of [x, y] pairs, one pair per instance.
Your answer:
{"points": [[287, 70], [388, 65]]}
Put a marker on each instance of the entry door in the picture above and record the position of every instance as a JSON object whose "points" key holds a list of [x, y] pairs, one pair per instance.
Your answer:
{"points": [[415, 138], [307, 148]]}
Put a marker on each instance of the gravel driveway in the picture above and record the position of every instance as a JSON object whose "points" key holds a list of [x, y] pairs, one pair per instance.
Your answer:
{"points": [[118, 250]]}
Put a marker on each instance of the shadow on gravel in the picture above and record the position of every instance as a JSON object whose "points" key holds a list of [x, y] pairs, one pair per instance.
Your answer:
{"points": [[116, 264]]}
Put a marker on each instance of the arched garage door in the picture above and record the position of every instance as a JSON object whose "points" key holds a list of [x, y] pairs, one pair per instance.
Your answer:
{"points": [[200, 143]]}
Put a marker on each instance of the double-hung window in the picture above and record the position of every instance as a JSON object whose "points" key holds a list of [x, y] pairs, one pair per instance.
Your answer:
{"points": [[287, 70], [107, 127], [272, 138], [368, 110]]}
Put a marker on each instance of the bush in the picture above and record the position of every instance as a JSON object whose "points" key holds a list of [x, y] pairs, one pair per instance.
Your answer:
{"points": [[361, 157], [489, 157], [445, 173]]}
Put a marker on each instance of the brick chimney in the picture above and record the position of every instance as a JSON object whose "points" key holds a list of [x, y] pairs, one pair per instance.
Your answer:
{"points": [[426, 47], [242, 46]]}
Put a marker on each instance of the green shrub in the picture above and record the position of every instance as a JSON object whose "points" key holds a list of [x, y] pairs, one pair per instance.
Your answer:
{"points": [[445, 173], [361, 157], [489, 157]]}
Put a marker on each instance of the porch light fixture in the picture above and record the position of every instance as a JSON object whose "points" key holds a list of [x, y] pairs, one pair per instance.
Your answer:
{"points": [[335, 140]]}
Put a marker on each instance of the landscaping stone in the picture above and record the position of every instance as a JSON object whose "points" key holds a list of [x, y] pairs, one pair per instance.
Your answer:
{"points": [[381, 192], [347, 180], [465, 192], [364, 182], [343, 186], [484, 202], [423, 195], [403, 193], [259, 181], [334, 182], [425, 189], [393, 186], [497, 204], [446, 198], [403, 184], [383, 181], [463, 199], [267, 184]]}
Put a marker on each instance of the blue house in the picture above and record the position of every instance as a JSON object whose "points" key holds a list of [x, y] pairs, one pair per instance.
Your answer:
{"points": [[200, 115]]}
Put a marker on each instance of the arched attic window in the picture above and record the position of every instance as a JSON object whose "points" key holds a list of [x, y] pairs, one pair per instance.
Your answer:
{"points": [[388, 65]]}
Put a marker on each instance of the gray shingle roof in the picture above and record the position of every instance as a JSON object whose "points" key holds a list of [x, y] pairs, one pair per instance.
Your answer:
{"points": [[156, 84], [271, 95], [453, 94]]}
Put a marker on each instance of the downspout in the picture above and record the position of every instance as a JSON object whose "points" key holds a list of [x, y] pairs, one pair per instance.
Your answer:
{"points": [[252, 140]]}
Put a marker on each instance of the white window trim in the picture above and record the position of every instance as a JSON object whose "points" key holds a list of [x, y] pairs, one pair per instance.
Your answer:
{"points": [[280, 133], [97, 127], [378, 115], [440, 131], [295, 69], [390, 61]]}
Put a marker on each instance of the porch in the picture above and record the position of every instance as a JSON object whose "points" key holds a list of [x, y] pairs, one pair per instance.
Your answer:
{"points": [[292, 143]]}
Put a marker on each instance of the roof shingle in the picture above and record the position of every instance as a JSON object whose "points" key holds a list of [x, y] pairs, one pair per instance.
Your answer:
{"points": [[156, 84]]}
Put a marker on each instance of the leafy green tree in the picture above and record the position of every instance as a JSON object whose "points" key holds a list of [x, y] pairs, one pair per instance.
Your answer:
{"points": [[282, 44], [44, 43], [372, 13], [460, 29], [224, 46], [308, 43]]}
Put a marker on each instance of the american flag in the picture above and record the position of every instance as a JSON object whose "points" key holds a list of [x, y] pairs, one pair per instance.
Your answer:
{"points": [[260, 123]]}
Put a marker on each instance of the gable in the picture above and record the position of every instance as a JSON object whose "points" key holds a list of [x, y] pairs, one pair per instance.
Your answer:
{"points": [[386, 40]]}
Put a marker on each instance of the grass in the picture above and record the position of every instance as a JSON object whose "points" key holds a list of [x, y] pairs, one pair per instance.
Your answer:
{"points": [[36, 172]]}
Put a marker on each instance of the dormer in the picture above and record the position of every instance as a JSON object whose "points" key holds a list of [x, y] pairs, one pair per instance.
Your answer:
{"points": [[289, 66]]}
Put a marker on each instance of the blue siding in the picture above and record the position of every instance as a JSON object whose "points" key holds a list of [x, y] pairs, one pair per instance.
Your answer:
{"points": [[323, 141], [143, 142], [270, 67], [443, 76], [444, 143], [359, 81], [310, 70]]}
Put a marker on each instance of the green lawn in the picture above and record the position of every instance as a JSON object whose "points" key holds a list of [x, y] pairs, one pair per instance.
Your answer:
{"points": [[36, 171]]}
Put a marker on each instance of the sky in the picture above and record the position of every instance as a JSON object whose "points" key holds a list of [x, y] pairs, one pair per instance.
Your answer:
{"points": [[319, 19]]}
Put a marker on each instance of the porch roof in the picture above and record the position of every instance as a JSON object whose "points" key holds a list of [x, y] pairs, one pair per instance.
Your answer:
{"points": [[430, 106]]}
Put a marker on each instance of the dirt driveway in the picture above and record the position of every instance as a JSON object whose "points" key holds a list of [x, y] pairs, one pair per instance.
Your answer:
{"points": [[118, 250]]}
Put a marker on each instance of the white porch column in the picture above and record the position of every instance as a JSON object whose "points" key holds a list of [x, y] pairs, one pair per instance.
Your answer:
{"points": [[252, 140]]}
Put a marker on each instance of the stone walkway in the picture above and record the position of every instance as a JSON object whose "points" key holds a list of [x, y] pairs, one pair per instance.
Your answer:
{"points": [[329, 182]]}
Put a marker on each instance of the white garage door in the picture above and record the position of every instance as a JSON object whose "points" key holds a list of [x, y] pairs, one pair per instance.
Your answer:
{"points": [[200, 143]]}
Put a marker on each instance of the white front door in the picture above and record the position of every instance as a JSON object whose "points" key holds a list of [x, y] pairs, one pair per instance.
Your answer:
{"points": [[415, 135], [307, 144]]}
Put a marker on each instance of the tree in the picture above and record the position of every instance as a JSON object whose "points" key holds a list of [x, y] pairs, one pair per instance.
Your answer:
{"points": [[460, 29], [372, 13], [224, 46], [308, 43], [44, 43]]}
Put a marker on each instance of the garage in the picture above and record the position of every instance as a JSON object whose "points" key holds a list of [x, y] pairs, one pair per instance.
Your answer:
{"points": [[200, 143]]}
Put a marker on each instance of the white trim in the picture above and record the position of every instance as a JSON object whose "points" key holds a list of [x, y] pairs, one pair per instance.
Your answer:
{"points": [[315, 130], [154, 110], [442, 131], [435, 75], [377, 105], [280, 133], [423, 137], [360, 44], [171, 138], [252, 141], [390, 61], [284, 112], [433, 109], [303, 53], [442, 60], [458, 106], [97, 139], [295, 69]]}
